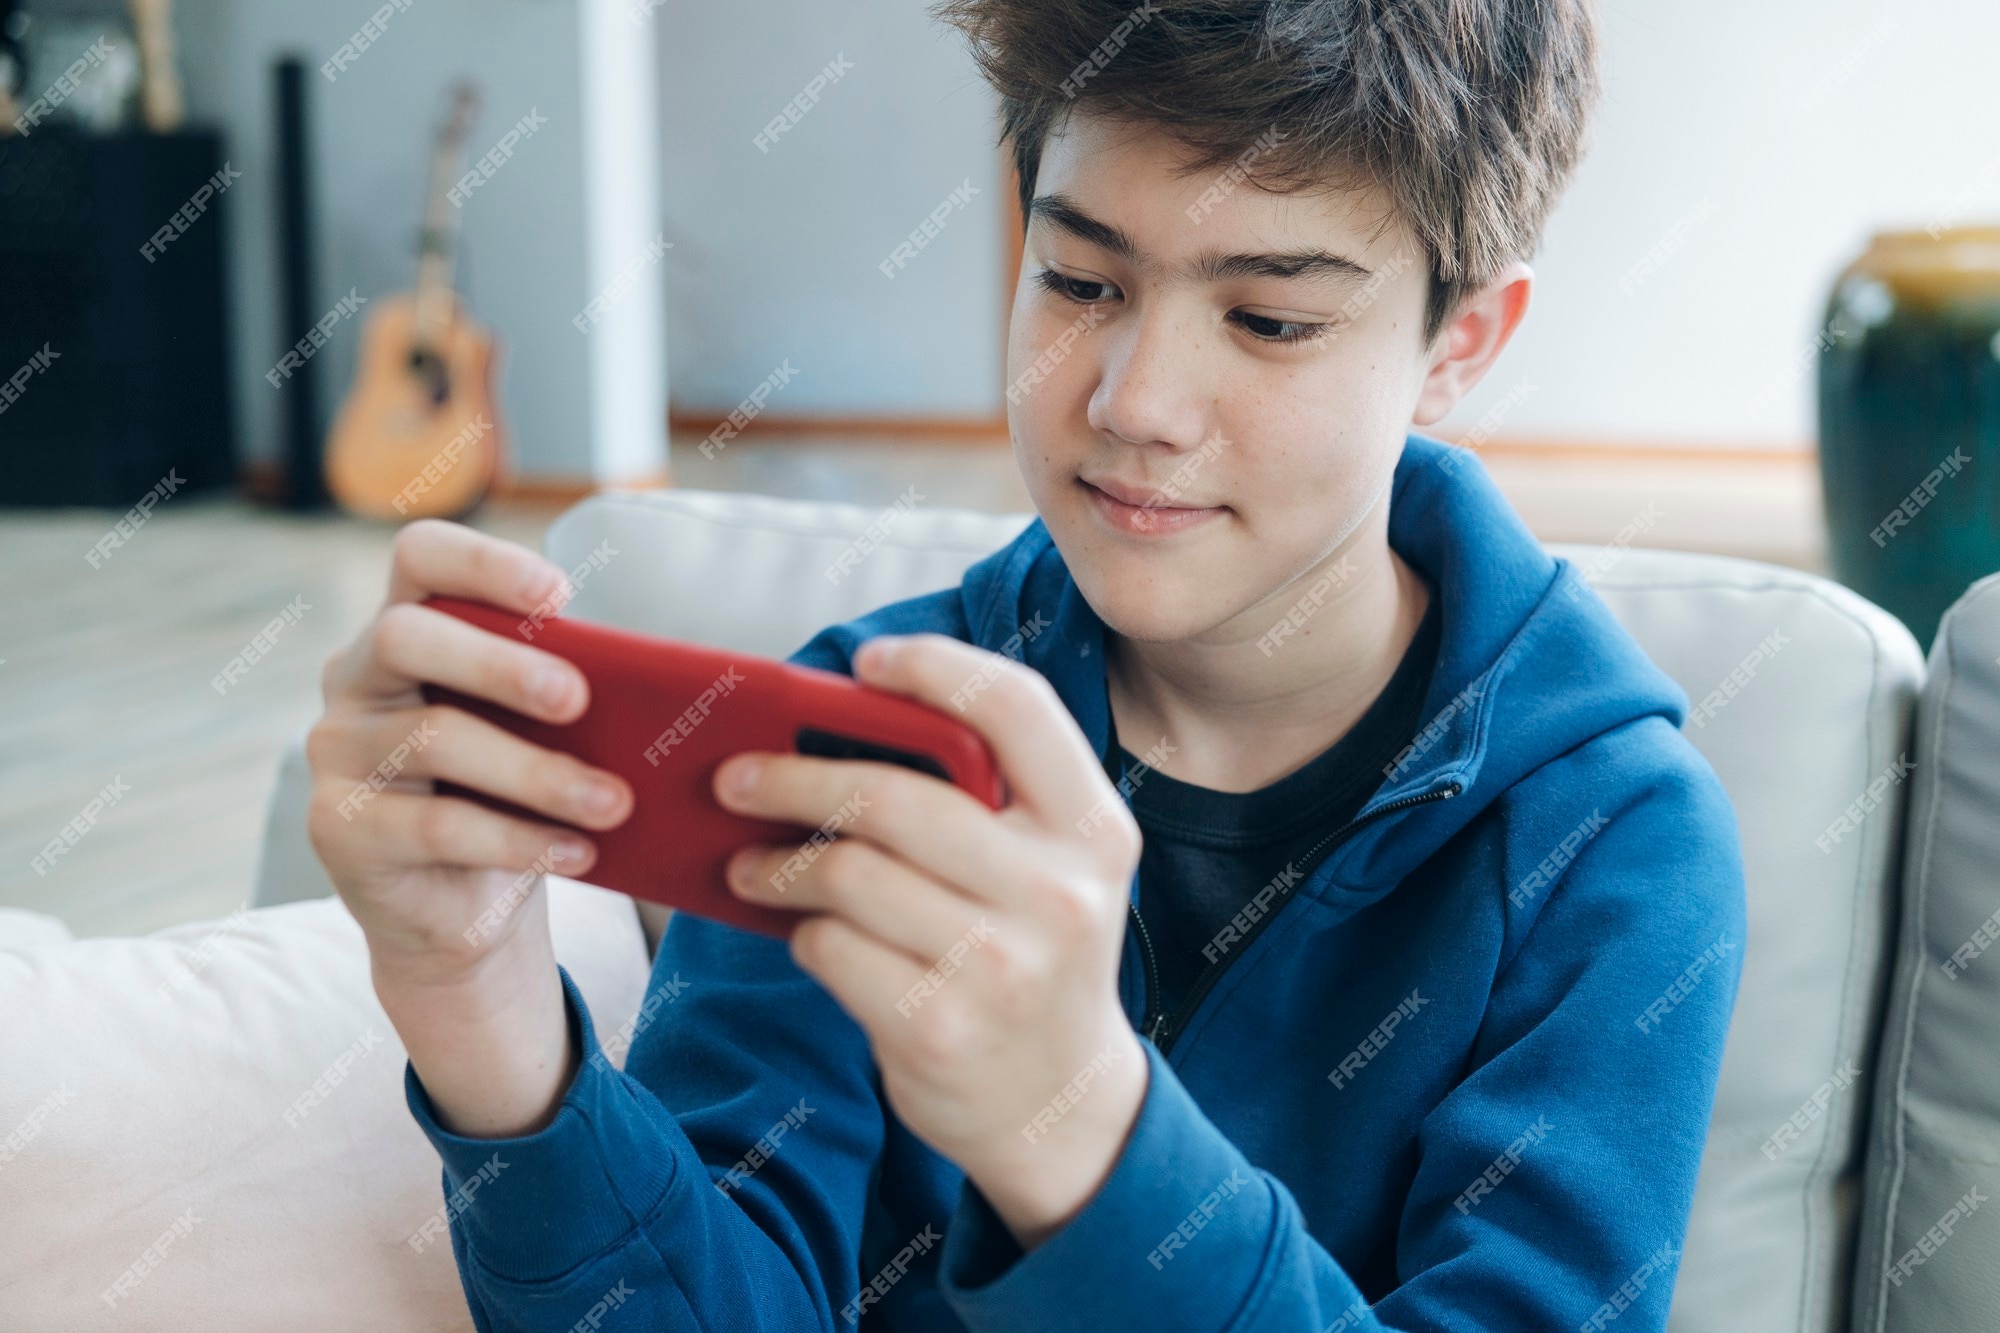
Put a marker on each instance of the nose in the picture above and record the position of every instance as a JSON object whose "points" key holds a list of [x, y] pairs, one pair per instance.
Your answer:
{"points": [[1152, 389]]}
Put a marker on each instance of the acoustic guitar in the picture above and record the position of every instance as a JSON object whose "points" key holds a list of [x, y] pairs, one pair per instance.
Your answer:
{"points": [[419, 435]]}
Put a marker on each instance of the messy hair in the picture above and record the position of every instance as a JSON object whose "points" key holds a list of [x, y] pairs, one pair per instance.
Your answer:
{"points": [[1470, 114]]}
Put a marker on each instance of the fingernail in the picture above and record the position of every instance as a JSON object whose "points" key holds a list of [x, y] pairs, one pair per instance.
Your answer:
{"points": [[880, 650], [570, 851], [551, 686], [596, 798], [741, 779]]}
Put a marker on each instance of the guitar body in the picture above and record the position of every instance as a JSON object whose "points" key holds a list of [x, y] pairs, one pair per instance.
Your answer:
{"points": [[399, 450]]}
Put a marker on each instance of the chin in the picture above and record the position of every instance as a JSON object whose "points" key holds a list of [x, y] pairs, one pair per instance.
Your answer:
{"points": [[1149, 596]]}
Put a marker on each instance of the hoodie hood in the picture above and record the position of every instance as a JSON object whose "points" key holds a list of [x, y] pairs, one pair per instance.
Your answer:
{"points": [[1523, 639]]}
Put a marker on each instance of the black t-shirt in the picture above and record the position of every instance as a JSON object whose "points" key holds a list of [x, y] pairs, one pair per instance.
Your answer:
{"points": [[1208, 853]]}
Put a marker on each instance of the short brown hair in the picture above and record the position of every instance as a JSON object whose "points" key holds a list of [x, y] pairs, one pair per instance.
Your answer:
{"points": [[1471, 114]]}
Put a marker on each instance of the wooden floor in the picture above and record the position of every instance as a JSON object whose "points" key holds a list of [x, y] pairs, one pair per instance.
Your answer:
{"points": [[105, 673]]}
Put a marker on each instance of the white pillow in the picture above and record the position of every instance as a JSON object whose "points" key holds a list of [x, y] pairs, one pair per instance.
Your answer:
{"points": [[205, 1128]]}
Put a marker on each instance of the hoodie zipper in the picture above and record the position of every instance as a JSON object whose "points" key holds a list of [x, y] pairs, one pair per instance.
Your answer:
{"points": [[1161, 1028]]}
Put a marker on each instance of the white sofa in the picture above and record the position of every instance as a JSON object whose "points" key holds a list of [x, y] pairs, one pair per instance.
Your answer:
{"points": [[204, 1128]]}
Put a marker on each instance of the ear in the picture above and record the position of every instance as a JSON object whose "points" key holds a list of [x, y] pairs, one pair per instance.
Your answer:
{"points": [[1471, 342]]}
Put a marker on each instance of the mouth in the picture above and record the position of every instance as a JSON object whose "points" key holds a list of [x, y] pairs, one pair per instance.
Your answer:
{"points": [[1143, 511]]}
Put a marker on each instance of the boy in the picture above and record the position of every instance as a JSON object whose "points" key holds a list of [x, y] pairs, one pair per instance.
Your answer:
{"points": [[1334, 966]]}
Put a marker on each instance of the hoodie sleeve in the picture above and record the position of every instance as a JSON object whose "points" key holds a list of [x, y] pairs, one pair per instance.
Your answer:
{"points": [[1554, 1181], [717, 1182]]}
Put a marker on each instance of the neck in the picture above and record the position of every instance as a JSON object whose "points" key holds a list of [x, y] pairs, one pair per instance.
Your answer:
{"points": [[1239, 717]]}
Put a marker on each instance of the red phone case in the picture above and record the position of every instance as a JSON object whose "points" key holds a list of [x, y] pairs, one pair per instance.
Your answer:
{"points": [[664, 714]]}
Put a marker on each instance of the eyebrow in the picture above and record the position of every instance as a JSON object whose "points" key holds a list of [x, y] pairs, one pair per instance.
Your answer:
{"points": [[1063, 213]]}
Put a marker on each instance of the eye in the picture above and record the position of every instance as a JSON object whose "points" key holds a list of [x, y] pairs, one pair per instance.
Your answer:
{"points": [[1082, 291], [1265, 329]]}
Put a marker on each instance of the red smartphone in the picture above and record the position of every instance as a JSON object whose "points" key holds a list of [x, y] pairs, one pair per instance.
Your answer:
{"points": [[663, 715]]}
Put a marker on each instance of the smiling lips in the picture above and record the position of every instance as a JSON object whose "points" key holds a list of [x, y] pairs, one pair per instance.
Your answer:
{"points": [[1143, 512]]}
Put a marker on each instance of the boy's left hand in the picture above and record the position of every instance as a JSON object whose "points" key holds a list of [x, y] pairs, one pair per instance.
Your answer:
{"points": [[978, 949]]}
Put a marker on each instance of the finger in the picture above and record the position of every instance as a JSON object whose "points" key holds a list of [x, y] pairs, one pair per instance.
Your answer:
{"points": [[411, 643], [926, 821], [415, 829], [434, 556], [862, 884], [877, 985], [1047, 762], [441, 742]]}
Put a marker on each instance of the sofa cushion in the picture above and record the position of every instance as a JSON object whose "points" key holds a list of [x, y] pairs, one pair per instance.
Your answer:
{"points": [[1930, 1254], [1801, 695], [204, 1128]]}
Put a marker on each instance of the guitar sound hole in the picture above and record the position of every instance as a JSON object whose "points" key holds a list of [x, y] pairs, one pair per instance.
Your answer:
{"points": [[428, 366]]}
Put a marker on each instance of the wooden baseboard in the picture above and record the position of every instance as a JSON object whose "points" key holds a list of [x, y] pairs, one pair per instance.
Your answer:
{"points": [[263, 480], [980, 429]]}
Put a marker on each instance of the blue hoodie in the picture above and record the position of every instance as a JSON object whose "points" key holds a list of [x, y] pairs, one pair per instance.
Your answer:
{"points": [[1457, 1077]]}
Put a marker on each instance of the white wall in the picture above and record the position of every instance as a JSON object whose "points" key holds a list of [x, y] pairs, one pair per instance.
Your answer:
{"points": [[540, 239], [1804, 124]]}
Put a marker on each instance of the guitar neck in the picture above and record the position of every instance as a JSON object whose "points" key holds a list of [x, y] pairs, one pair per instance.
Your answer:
{"points": [[435, 258], [160, 87]]}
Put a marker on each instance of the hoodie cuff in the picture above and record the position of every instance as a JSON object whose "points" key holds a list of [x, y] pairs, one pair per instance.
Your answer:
{"points": [[536, 1206], [1177, 1236]]}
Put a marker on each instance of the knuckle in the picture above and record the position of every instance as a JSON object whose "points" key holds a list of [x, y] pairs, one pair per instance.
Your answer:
{"points": [[440, 825], [389, 641], [324, 741], [415, 537], [939, 1032], [841, 871]]}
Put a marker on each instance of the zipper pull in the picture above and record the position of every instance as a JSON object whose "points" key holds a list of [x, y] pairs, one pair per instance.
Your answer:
{"points": [[1159, 1026]]}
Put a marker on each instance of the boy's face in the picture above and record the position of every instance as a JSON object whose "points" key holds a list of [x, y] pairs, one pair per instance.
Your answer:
{"points": [[1173, 372]]}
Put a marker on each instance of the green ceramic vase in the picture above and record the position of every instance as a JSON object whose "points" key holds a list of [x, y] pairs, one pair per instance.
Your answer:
{"points": [[1909, 420]]}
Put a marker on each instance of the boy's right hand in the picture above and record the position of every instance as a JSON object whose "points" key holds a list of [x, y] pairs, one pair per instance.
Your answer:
{"points": [[432, 879]]}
